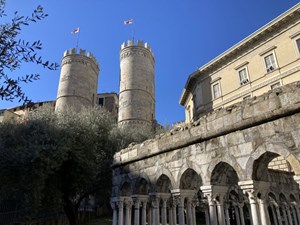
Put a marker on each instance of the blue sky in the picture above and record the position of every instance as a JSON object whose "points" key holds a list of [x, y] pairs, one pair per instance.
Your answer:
{"points": [[183, 34]]}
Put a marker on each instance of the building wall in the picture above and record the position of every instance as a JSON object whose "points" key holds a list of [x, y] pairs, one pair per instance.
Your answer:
{"points": [[110, 102], [22, 112], [278, 38]]}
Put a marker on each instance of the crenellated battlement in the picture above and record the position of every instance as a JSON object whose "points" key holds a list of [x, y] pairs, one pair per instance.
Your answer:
{"points": [[139, 43], [140, 48], [82, 52]]}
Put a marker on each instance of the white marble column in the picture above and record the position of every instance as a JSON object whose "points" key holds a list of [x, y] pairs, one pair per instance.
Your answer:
{"points": [[128, 205], [121, 212], [136, 211], [293, 208], [212, 212], [115, 217], [278, 215], [220, 207], [263, 208], [194, 204], [253, 206], [227, 218], [298, 211], [242, 217], [155, 210], [144, 212], [180, 205], [274, 214], [164, 212], [189, 216], [207, 221], [289, 214], [251, 188], [174, 212], [170, 208], [286, 222]]}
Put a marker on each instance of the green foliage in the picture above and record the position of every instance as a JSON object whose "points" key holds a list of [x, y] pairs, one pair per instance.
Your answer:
{"points": [[14, 51], [55, 160]]}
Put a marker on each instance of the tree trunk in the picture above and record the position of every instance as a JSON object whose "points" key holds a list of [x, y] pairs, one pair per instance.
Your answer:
{"points": [[71, 211]]}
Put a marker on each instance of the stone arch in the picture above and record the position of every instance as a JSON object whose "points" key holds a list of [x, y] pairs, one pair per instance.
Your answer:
{"points": [[292, 198], [258, 166], [189, 165], [163, 184], [164, 171], [141, 186], [125, 189], [282, 197], [223, 174], [231, 162], [273, 150], [272, 196], [190, 180]]}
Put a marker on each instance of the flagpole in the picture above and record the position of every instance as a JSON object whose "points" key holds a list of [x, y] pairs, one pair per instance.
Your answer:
{"points": [[133, 30], [130, 22], [77, 40]]}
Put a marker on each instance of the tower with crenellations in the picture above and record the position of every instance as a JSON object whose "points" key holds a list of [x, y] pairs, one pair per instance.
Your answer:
{"points": [[137, 85], [78, 80]]}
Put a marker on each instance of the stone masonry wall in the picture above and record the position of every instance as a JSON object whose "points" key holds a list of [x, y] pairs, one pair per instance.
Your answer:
{"points": [[260, 128]]}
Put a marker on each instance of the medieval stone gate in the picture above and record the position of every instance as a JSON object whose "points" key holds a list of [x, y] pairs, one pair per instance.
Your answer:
{"points": [[239, 165]]}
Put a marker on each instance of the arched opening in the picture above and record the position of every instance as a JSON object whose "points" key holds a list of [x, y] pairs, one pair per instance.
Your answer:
{"points": [[141, 187], [225, 180], [272, 208], [275, 171], [201, 209], [190, 180], [163, 189], [224, 175], [163, 184], [190, 183], [125, 189]]}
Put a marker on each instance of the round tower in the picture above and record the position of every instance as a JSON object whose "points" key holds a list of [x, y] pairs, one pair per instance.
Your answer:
{"points": [[137, 88], [78, 80]]}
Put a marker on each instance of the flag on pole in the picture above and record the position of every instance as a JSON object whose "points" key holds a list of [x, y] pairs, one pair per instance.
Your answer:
{"points": [[127, 22], [75, 31]]}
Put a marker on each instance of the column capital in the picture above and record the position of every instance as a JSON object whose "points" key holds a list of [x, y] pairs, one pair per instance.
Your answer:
{"points": [[128, 202], [136, 201], [253, 187], [179, 200], [113, 205]]}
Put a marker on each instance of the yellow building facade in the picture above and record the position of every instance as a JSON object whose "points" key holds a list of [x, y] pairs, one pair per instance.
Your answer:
{"points": [[267, 59]]}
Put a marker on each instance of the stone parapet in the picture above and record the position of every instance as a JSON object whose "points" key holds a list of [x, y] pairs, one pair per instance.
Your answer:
{"points": [[69, 55], [142, 49], [275, 104]]}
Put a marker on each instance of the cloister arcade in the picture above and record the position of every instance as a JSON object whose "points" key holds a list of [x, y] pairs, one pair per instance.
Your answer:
{"points": [[269, 196], [234, 166]]}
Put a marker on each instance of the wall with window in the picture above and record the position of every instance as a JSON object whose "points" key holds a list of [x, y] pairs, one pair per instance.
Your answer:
{"points": [[264, 63]]}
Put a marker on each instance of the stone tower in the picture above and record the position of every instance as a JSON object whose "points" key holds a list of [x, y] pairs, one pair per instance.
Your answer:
{"points": [[78, 80], [137, 88]]}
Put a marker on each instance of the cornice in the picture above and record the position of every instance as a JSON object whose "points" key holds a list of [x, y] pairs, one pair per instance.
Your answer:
{"points": [[271, 29]]}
